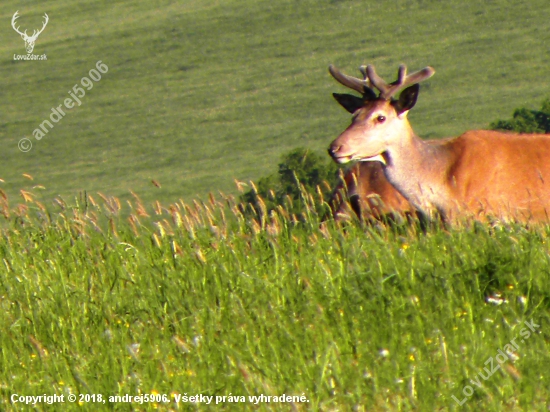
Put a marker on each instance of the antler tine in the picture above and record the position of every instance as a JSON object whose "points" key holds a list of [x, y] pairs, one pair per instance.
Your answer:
{"points": [[376, 80], [348, 81], [401, 74], [363, 70], [14, 18], [420, 75], [389, 90], [46, 20]]}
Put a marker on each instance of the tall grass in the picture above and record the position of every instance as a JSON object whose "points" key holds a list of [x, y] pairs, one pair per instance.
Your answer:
{"points": [[106, 297]]}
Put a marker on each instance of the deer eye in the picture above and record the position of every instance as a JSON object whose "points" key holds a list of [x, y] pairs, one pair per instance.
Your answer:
{"points": [[381, 119]]}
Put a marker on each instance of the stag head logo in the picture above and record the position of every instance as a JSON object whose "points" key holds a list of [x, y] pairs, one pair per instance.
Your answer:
{"points": [[29, 40]]}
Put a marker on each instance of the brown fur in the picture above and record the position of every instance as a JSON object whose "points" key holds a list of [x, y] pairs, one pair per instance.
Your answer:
{"points": [[369, 194], [501, 174]]}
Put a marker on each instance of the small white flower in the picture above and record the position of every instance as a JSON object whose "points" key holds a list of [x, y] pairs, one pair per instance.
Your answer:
{"points": [[496, 299], [197, 340]]}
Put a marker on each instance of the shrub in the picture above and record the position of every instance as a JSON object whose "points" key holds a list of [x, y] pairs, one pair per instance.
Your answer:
{"points": [[526, 120], [301, 173]]}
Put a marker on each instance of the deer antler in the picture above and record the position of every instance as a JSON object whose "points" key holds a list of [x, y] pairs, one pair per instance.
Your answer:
{"points": [[15, 17], [363, 86], [35, 34], [389, 90]]}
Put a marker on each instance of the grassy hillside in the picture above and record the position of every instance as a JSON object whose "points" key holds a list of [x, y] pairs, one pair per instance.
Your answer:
{"points": [[201, 92], [194, 299]]}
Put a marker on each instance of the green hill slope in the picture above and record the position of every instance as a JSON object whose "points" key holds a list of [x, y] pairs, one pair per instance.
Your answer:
{"points": [[201, 92]]}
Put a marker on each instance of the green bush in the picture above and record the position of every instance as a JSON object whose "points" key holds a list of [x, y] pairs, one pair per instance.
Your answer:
{"points": [[526, 120], [301, 173]]}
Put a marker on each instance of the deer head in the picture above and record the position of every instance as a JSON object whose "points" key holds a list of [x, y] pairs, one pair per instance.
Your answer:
{"points": [[29, 40], [378, 121]]}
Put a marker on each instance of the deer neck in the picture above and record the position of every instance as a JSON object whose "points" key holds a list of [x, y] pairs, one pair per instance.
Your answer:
{"points": [[417, 169]]}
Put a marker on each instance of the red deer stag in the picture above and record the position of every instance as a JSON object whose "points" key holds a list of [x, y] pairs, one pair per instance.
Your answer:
{"points": [[480, 173]]}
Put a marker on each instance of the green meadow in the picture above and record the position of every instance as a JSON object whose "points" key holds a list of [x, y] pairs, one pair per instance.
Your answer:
{"points": [[121, 275]]}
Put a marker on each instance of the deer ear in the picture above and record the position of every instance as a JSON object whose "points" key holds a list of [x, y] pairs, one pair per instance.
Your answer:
{"points": [[407, 99], [349, 102]]}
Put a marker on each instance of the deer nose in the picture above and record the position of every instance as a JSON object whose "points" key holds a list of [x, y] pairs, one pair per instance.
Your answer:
{"points": [[333, 149]]}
